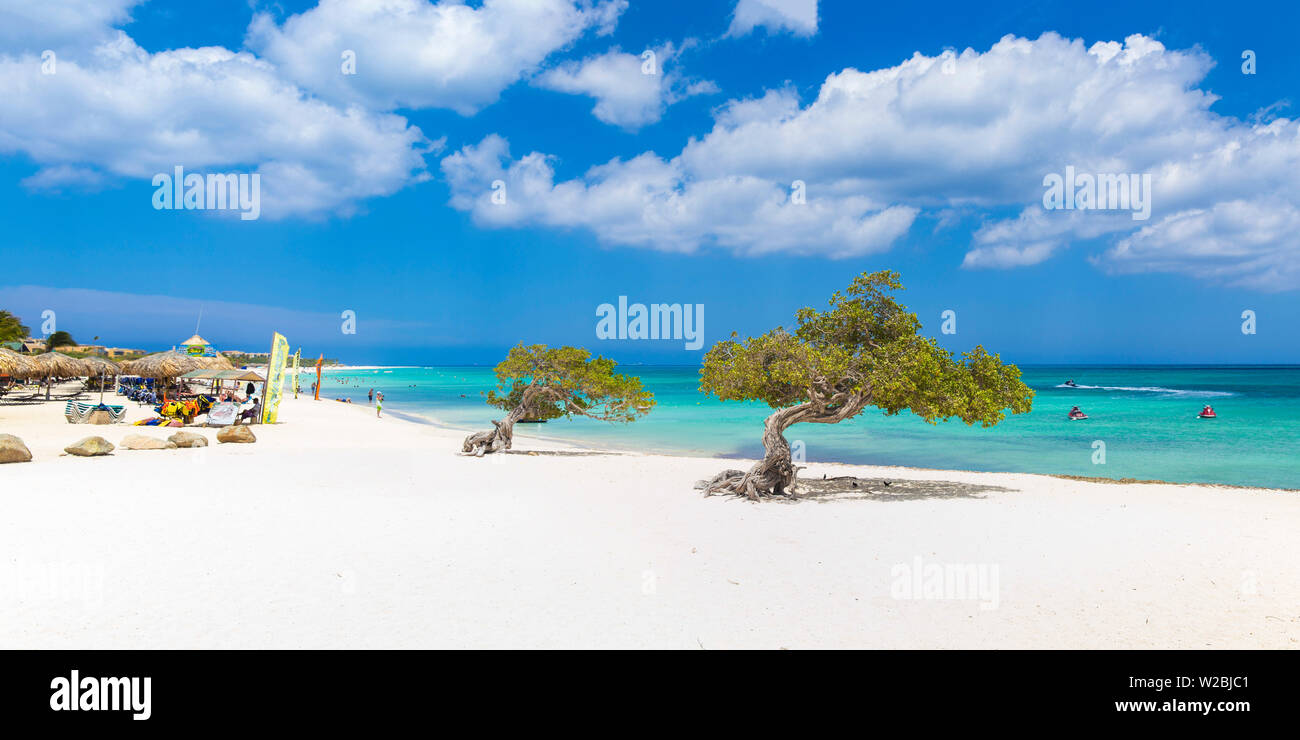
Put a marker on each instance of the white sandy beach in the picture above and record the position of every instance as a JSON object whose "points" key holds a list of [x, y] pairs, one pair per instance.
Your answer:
{"points": [[340, 530]]}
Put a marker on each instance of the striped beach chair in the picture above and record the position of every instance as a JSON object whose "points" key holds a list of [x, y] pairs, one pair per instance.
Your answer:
{"points": [[78, 413]]}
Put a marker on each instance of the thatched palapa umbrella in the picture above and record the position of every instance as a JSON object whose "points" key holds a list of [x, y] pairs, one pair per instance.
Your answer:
{"points": [[56, 364], [19, 366], [173, 364], [103, 368], [52, 364]]}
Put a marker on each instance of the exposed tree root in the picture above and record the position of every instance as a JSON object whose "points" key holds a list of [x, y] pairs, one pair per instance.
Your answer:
{"points": [[500, 438], [775, 474], [764, 479], [482, 443]]}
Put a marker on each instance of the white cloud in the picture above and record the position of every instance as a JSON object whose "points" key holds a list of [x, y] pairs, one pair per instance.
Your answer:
{"points": [[1252, 244], [1008, 255], [66, 26], [875, 148], [631, 90], [1035, 235], [417, 54], [649, 202], [984, 135], [60, 177], [975, 135], [799, 17], [128, 113], [1225, 193]]}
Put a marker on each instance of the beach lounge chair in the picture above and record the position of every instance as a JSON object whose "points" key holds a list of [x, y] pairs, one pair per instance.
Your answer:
{"points": [[78, 413]]}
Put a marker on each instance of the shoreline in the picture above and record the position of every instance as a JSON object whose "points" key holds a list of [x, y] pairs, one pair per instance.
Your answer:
{"points": [[425, 418], [1129, 418], [524, 432]]}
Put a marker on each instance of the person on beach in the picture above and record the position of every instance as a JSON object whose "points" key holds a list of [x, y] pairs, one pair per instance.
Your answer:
{"points": [[379, 405], [250, 411], [372, 395]]}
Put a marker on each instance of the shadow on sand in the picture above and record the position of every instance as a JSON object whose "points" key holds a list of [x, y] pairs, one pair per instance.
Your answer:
{"points": [[558, 453], [847, 488]]}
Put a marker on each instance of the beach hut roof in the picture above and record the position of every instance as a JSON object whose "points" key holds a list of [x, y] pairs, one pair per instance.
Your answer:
{"points": [[196, 339], [59, 364], [101, 366], [171, 364], [19, 366]]}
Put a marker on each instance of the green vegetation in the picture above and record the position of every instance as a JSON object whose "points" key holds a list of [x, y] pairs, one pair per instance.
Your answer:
{"points": [[864, 351], [541, 382], [119, 359], [59, 339], [11, 328]]}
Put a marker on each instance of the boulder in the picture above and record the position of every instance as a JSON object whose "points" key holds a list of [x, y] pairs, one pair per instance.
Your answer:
{"points": [[12, 449], [188, 439], [99, 417], [240, 434], [90, 447], [141, 442]]}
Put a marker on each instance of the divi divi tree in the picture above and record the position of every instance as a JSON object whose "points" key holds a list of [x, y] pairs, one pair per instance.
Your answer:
{"points": [[864, 351], [540, 383]]}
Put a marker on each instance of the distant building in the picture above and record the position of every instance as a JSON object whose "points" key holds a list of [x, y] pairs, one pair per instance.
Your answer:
{"points": [[83, 349], [121, 351], [197, 346], [37, 346]]}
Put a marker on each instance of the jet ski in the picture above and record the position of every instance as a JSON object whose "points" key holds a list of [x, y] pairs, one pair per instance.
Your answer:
{"points": [[1075, 414], [1071, 383], [1207, 413]]}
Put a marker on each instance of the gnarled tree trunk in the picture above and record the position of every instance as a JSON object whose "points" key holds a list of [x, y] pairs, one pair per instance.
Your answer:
{"points": [[775, 474], [500, 438]]}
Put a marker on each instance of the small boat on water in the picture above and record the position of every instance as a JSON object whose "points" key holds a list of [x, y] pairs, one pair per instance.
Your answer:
{"points": [[1075, 414], [1207, 413], [1071, 383]]}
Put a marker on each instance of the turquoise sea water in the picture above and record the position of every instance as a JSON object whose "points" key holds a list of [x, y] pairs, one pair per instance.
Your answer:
{"points": [[1145, 416]]}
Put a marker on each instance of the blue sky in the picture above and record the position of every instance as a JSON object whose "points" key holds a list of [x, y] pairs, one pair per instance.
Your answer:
{"points": [[666, 188]]}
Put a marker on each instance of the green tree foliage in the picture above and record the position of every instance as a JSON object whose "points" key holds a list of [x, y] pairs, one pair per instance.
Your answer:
{"points": [[541, 382], [11, 328], [863, 351], [534, 411], [59, 339]]}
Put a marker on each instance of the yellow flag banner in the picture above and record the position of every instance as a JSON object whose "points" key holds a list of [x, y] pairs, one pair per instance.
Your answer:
{"points": [[275, 378], [296, 357]]}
